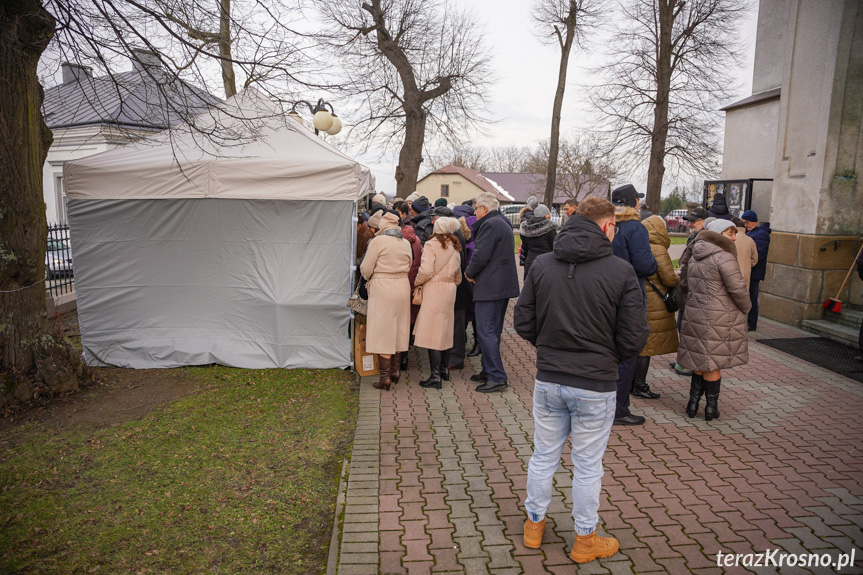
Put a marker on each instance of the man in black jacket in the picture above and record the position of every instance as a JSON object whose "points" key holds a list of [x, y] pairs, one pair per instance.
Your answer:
{"points": [[492, 271], [422, 218], [581, 307], [631, 244]]}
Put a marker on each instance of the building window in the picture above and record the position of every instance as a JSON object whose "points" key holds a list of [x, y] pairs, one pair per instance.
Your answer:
{"points": [[60, 194], [444, 190]]}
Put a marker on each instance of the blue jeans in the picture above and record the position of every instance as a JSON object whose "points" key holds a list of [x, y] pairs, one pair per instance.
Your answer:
{"points": [[559, 411], [489, 327]]}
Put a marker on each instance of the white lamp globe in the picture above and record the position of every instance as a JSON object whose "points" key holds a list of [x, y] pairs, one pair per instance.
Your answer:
{"points": [[323, 120], [296, 117], [336, 127]]}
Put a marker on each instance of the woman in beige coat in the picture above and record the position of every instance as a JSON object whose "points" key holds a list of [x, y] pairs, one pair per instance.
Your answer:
{"points": [[386, 266], [663, 326], [440, 273], [713, 334]]}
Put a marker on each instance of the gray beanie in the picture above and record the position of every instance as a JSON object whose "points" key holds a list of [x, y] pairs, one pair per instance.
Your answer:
{"points": [[532, 202], [720, 226], [540, 211]]}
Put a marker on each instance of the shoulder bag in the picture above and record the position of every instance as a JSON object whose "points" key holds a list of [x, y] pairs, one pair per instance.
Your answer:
{"points": [[668, 297]]}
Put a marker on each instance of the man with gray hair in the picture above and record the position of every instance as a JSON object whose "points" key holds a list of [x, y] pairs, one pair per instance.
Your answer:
{"points": [[492, 271]]}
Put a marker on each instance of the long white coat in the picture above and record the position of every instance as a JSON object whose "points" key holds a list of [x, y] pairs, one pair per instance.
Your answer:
{"points": [[440, 273]]}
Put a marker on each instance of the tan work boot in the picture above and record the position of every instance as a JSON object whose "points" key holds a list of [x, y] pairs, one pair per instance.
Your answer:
{"points": [[590, 547], [533, 533]]}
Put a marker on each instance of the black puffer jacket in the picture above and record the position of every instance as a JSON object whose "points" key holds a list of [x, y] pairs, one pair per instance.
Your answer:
{"points": [[582, 308], [423, 224], [537, 238]]}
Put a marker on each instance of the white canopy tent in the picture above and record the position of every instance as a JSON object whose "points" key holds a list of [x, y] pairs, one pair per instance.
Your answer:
{"points": [[188, 252]]}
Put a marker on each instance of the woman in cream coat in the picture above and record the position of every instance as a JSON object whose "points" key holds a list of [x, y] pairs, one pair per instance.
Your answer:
{"points": [[440, 273], [386, 266]]}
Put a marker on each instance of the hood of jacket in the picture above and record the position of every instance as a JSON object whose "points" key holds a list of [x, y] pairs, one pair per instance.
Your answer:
{"points": [[535, 227], [626, 214], [408, 233], [581, 240], [719, 206], [658, 231], [708, 243], [462, 211]]}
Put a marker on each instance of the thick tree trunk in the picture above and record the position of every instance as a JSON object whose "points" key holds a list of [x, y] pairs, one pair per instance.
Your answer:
{"points": [[410, 156], [25, 30], [227, 62], [554, 142], [659, 136]]}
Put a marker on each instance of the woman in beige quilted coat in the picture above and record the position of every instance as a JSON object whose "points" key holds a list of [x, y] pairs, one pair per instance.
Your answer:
{"points": [[663, 326], [713, 334], [439, 273], [386, 266]]}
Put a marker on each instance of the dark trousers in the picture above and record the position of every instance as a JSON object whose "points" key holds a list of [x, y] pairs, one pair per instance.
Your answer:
{"points": [[752, 320], [860, 339], [459, 337], [625, 373], [489, 327]]}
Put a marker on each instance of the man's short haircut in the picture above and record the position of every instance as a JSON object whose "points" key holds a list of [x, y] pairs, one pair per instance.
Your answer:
{"points": [[597, 209], [487, 201], [571, 202]]}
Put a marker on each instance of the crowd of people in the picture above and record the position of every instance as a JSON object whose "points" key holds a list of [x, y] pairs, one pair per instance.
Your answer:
{"points": [[598, 300]]}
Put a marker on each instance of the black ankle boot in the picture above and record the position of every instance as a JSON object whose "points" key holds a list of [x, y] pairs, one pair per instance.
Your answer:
{"points": [[711, 410], [696, 390], [640, 387], [403, 361], [475, 350], [444, 365], [434, 363]]}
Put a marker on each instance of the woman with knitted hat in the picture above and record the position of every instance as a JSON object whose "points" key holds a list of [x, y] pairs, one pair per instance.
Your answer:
{"points": [[713, 334], [439, 274]]}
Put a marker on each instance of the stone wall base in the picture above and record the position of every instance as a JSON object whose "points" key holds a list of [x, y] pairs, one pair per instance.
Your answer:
{"points": [[801, 276]]}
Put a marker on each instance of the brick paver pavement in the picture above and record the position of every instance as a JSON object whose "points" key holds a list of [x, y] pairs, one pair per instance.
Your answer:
{"points": [[436, 481]]}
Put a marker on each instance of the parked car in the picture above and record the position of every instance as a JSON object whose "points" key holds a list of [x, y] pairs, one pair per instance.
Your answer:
{"points": [[511, 212], [674, 221], [58, 258]]}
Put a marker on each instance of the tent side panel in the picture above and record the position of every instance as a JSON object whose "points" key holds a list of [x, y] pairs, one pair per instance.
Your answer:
{"points": [[245, 283]]}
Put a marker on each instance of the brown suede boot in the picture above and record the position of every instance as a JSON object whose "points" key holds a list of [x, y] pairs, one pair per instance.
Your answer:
{"points": [[384, 382], [533, 533], [590, 547], [395, 368]]}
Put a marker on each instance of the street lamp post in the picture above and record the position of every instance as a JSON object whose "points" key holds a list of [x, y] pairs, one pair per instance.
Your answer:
{"points": [[324, 120]]}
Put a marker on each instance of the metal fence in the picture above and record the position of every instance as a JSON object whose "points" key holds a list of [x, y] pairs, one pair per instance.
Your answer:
{"points": [[59, 278]]}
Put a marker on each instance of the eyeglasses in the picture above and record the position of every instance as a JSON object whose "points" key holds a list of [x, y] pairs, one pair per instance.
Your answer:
{"points": [[616, 229]]}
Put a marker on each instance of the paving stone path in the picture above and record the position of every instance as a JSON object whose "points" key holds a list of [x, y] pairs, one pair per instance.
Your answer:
{"points": [[436, 481]]}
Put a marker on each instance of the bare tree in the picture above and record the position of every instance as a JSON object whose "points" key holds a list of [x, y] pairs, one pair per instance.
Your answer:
{"points": [[507, 159], [561, 22], [583, 169], [661, 94], [99, 34], [470, 157], [416, 68]]}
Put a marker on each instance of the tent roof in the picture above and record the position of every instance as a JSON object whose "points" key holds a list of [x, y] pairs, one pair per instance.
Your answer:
{"points": [[257, 153]]}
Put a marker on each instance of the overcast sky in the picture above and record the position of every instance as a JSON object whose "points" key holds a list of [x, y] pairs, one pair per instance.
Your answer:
{"points": [[526, 70]]}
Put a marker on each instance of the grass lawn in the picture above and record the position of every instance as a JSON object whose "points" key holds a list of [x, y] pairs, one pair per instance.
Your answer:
{"points": [[517, 242], [678, 241], [238, 477]]}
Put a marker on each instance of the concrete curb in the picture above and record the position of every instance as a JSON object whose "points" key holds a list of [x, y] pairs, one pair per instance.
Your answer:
{"points": [[335, 538]]}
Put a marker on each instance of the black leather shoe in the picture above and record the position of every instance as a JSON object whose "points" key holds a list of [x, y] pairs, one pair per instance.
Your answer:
{"points": [[456, 367], [475, 351], [491, 386], [403, 361], [859, 358], [644, 392], [629, 420], [480, 377]]}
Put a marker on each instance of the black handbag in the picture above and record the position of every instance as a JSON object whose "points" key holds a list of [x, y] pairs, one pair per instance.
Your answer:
{"points": [[362, 288], [668, 297]]}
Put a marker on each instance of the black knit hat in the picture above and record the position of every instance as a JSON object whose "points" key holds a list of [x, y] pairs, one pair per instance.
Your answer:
{"points": [[421, 204]]}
